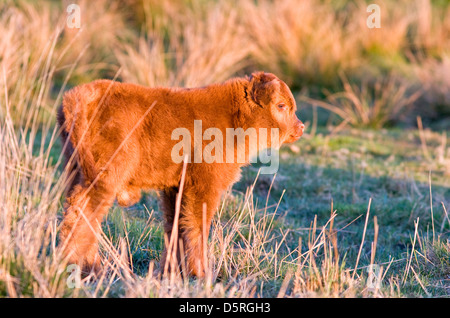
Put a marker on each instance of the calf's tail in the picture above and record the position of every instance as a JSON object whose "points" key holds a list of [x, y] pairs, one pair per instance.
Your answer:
{"points": [[75, 132]]}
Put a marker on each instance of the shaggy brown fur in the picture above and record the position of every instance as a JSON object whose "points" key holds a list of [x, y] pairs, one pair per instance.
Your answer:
{"points": [[121, 145]]}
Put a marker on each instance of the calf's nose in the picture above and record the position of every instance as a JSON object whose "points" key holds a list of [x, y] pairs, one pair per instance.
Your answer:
{"points": [[299, 127]]}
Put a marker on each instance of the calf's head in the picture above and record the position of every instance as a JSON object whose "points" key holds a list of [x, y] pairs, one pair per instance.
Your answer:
{"points": [[273, 106]]}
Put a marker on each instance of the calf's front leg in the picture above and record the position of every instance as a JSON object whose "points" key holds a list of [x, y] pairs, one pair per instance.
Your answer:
{"points": [[195, 216]]}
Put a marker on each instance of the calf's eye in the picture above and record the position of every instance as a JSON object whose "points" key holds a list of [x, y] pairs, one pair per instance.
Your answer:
{"points": [[281, 106]]}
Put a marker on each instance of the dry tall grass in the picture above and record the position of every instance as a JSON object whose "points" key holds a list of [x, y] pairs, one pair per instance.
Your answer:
{"points": [[371, 105], [30, 187], [306, 41], [187, 48], [24, 57], [434, 77], [103, 29]]}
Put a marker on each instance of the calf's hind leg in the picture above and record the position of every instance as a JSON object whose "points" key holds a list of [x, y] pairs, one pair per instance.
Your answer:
{"points": [[84, 211]]}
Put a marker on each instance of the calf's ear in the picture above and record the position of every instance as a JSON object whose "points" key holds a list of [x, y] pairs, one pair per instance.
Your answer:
{"points": [[262, 88]]}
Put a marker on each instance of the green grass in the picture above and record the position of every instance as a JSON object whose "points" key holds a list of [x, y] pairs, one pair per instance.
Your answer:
{"points": [[350, 168]]}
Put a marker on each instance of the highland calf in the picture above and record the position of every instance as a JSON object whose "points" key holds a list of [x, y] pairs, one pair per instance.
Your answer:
{"points": [[120, 139]]}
